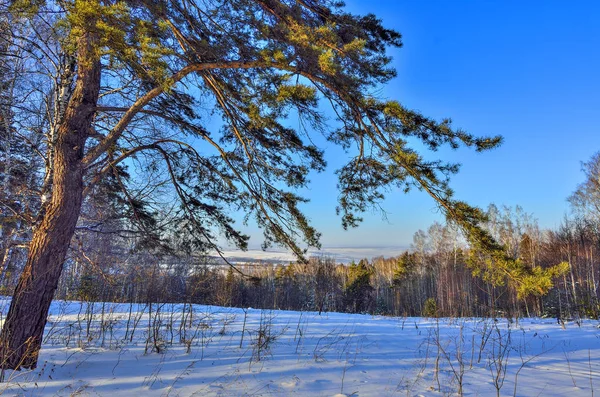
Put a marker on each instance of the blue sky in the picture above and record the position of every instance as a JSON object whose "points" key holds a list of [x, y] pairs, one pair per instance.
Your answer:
{"points": [[529, 71]]}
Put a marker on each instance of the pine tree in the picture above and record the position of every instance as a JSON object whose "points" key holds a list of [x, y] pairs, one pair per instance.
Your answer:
{"points": [[404, 266], [358, 292], [131, 84]]}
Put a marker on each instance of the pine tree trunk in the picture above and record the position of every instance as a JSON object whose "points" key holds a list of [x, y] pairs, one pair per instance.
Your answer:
{"points": [[21, 337]]}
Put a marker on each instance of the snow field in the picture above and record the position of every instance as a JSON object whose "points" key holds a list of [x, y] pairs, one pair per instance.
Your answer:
{"points": [[192, 350]]}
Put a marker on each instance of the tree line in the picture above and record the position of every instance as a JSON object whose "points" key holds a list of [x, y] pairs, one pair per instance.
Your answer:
{"points": [[435, 277]]}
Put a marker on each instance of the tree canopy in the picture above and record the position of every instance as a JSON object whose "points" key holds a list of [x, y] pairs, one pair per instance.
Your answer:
{"points": [[166, 67]]}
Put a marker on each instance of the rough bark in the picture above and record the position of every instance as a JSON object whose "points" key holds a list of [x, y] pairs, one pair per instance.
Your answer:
{"points": [[21, 337]]}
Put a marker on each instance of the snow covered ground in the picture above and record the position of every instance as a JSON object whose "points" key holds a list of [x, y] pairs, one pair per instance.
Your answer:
{"points": [[203, 352]]}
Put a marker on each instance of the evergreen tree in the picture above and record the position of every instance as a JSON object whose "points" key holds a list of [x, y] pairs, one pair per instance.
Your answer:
{"points": [[404, 266], [358, 293], [130, 84]]}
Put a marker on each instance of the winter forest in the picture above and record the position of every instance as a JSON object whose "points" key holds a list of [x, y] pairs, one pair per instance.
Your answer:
{"points": [[139, 137], [436, 277]]}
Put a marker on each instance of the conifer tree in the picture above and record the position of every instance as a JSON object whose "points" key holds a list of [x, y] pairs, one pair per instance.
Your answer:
{"points": [[134, 83], [358, 290], [405, 264]]}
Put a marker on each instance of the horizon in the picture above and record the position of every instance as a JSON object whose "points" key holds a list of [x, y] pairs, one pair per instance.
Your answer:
{"points": [[340, 254]]}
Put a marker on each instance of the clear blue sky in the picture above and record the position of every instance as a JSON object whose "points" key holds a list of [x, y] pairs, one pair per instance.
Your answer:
{"points": [[527, 70]]}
